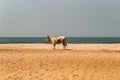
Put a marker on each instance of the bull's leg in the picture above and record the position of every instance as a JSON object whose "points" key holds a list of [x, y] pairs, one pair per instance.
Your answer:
{"points": [[64, 46], [54, 46]]}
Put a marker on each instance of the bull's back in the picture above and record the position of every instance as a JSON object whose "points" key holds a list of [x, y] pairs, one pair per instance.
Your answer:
{"points": [[62, 37]]}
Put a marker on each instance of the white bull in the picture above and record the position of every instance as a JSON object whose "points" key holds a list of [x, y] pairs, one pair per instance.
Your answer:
{"points": [[57, 40]]}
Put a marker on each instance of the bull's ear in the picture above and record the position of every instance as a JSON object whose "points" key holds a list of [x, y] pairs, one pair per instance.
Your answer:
{"points": [[47, 36]]}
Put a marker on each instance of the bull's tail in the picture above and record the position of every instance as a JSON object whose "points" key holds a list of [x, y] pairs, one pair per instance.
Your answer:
{"points": [[65, 42]]}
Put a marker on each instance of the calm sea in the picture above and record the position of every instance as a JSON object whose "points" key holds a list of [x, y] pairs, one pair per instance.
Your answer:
{"points": [[74, 40]]}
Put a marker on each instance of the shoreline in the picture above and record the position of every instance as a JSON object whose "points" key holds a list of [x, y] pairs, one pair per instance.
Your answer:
{"points": [[59, 46]]}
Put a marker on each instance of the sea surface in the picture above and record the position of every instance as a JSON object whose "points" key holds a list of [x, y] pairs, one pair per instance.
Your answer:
{"points": [[70, 40]]}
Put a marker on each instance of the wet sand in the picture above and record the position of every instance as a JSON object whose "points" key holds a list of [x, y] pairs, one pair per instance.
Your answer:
{"points": [[77, 62]]}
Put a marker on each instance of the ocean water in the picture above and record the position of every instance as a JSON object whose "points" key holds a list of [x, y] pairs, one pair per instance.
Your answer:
{"points": [[70, 40]]}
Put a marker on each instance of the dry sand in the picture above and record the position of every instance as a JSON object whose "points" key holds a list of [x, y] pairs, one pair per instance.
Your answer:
{"points": [[78, 62]]}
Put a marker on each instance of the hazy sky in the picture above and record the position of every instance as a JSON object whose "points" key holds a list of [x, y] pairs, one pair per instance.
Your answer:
{"points": [[82, 18]]}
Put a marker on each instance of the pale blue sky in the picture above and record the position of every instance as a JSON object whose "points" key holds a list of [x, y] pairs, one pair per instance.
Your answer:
{"points": [[78, 18]]}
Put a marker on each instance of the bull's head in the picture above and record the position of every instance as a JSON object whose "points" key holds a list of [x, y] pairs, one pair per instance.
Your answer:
{"points": [[48, 38]]}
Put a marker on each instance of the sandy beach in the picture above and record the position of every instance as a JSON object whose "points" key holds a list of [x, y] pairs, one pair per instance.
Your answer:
{"points": [[77, 62]]}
